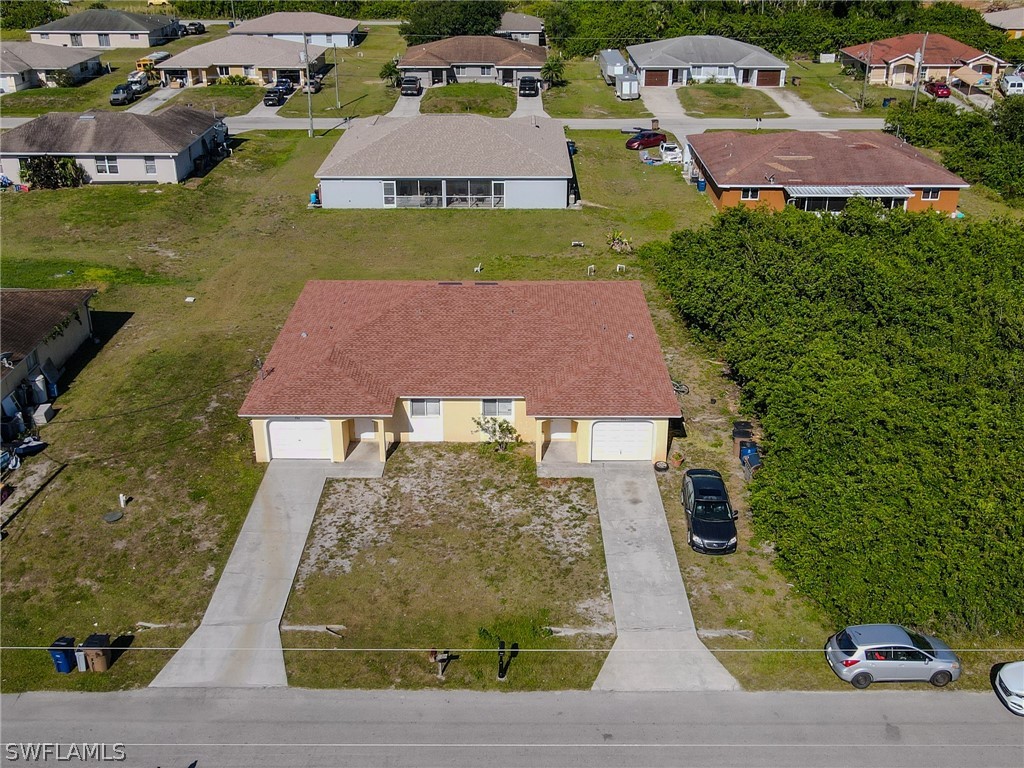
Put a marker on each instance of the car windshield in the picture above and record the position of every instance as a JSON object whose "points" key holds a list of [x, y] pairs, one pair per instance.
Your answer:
{"points": [[845, 643], [714, 511], [920, 643]]}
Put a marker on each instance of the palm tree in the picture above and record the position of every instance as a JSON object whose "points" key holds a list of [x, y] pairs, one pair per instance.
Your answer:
{"points": [[553, 71], [390, 73]]}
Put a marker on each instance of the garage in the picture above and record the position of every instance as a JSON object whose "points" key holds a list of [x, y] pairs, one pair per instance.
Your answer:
{"points": [[622, 441], [655, 77], [768, 78], [299, 439]]}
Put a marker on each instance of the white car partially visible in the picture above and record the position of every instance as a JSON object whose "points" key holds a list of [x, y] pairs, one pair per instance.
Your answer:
{"points": [[1010, 686], [670, 153]]}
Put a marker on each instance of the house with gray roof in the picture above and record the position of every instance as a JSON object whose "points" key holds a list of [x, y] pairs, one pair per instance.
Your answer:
{"points": [[704, 58], [118, 147], [315, 28], [521, 27], [104, 28], [33, 65], [449, 161], [473, 59], [263, 60]]}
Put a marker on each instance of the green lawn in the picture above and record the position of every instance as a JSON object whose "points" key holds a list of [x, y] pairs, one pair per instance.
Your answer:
{"points": [[727, 100], [95, 93], [485, 99], [587, 95], [360, 92], [226, 100], [833, 94]]}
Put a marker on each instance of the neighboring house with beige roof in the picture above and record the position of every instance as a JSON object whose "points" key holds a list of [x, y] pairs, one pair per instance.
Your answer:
{"points": [[118, 147], [382, 362], [1010, 21], [106, 28], [522, 28], [316, 28], [263, 60], [449, 161], [893, 61], [473, 58], [34, 65], [703, 58], [819, 171]]}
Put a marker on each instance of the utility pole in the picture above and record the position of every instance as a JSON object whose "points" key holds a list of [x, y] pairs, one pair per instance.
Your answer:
{"points": [[309, 90], [867, 76], [337, 98], [917, 70]]}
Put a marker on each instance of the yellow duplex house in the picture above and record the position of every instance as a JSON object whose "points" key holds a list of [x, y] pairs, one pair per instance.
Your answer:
{"points": [[574, 366], [262, 60]]}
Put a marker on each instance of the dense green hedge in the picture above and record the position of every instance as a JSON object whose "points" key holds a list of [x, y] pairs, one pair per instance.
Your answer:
{"points": [[986, 148], [18, 14], [884, 354], [581, 27], [250, 9]]}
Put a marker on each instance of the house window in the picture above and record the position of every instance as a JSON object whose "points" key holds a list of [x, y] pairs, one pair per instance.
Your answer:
{"points": [[485, 70], [502, 408], [223, 71], [150, 166], [249, 71], [460, 71], [425, 407], [330, 39], [106, 164], [930, 194], [44, 36], [133, 37], [76, 41], [32, 361], [104, 40], [750, 193]]}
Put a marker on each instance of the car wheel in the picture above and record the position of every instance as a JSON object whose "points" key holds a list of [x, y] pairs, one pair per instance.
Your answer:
{"points": [[940, 679], [861, 680]]}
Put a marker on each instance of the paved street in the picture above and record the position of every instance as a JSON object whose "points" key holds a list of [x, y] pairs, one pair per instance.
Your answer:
{"points": [[288, 728]]}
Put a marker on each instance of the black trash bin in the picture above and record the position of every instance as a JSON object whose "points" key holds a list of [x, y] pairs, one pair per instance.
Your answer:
{"points": [[62, 651]]}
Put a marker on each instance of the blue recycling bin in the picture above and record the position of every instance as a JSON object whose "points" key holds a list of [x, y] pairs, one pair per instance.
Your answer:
{"points": [[702, 184], [62, 651], [748, 448]]}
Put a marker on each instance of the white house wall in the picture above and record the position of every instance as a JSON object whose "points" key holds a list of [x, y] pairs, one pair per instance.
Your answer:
{"points": [[351, 193], [317, 38], [92, 39], [536, 193]]}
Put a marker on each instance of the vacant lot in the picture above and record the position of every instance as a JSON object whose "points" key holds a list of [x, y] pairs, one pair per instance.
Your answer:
{"points": [[225, 100], [833, 94], [587, 95], [456, 548], [476, 98], [727, 100]]}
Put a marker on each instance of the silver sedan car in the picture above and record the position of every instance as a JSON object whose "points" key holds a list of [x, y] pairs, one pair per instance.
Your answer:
{"points": [[870, 653]]}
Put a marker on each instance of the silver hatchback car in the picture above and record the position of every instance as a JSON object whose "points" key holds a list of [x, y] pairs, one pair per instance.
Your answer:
{"points": [[870, 653]]}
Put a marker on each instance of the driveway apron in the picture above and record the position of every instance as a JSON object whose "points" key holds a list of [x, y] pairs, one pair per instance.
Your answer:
{"points": [[407, 106], [657, 647], [789, 103], [238, 643], [529, 106], [663, 103], [154, 101]]}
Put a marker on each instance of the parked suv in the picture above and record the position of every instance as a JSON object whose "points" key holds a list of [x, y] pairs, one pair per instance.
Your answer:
{"points": [[285, 85], [710, 519], [274, 97], [411, 86], [195, 27], [529, 86], [121, 95], [887, 653]]}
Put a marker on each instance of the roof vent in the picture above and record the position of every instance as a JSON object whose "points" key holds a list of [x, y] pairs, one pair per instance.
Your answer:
{"points": [[449, 282], [490, 283], [87, 117]]}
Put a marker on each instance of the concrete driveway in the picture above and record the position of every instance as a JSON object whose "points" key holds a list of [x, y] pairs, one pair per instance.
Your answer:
{"points": [[789, 103], [657, 647], [156, 99], [663, 103], [407, 106], [238, 643], [529, 106]]}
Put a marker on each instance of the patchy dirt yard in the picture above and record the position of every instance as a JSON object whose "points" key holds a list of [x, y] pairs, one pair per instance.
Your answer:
{"points": [[456, 547]]}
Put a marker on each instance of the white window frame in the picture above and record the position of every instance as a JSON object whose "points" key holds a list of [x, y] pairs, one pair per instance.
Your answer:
{"points": [[485, 70], [503, 409], [223, 71], [429, 406], [390, 193], [750, 193], [106, 164], [460, 71], [133, 36], [249, 70], [150, 162], [44, 35], [931, 193], [329, 38], [76, 40], [103, 39]]}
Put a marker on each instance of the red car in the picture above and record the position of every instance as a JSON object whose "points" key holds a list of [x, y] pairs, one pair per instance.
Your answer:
{"points": [[938, 90], [645, 140]]}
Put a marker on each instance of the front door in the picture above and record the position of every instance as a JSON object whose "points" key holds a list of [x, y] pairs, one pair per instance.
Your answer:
{"points": [[497, 194], [507, 77], [389, 194]]}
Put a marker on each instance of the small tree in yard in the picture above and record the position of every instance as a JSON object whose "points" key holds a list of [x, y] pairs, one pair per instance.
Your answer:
{"points": [[390, 73], [554, 71], [498, 431], [48, 172]]}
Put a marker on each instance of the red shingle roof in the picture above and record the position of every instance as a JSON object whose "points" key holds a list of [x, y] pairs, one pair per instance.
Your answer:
{"points": [[816, 158], [573, 349], [939, 51], [474, 49]]}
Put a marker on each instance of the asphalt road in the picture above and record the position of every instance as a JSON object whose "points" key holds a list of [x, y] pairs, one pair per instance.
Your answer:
{"points": [[289, 728]]}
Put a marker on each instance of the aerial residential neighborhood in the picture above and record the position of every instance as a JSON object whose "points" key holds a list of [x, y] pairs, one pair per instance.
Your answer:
{"points": [[408, 383]]}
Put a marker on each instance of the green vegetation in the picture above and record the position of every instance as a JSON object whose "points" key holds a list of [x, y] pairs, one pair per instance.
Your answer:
{"points": [[429, 22], [882, 354], [986, 148], [225, 100], [477, 98], [457, 547], [360, 90], [586, 94], [727, 100], [18, 15], [834, 94], [250, 9]]}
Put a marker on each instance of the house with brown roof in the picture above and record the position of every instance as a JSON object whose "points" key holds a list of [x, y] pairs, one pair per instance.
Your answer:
{"points": [[385, 362], [473, 59], [118, 147], [705, 58], [34, 65], [1011, 21], [263, 60], [893, 61], [315, 28], [41, 329], [106, 28], [449, 161], [521, 27], [819, 171]]}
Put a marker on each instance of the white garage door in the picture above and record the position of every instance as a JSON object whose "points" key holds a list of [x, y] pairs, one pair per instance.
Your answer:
{"points": [[622, 441], [300, 440]]}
